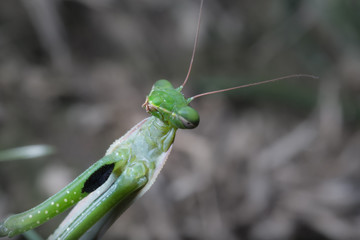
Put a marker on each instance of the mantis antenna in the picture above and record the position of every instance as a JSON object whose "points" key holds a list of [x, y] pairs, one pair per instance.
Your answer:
{"points": [[253, 84], [232, 88], [195, 44]]}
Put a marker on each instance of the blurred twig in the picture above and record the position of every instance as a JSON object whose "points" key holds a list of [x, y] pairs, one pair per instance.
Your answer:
{"points": [[46, 21], [26, 152]]}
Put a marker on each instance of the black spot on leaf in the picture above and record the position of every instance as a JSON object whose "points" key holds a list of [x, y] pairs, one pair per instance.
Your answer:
{"points": [[97, 178]]}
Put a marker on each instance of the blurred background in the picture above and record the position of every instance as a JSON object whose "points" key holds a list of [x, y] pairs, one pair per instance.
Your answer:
{"points": [[273, 162]]}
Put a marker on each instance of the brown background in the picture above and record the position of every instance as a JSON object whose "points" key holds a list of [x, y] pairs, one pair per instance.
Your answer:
{"points": [[273, 162]]}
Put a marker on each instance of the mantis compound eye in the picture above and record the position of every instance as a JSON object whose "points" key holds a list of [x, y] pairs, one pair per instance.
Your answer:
{"points": [[187, 118]]}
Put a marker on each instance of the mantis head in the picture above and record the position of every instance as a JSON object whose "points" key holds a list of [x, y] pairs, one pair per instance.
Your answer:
{"points": [[169, 105]]}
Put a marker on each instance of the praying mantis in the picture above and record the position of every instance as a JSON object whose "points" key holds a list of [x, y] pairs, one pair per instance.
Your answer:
{"points": [[128, 169]]}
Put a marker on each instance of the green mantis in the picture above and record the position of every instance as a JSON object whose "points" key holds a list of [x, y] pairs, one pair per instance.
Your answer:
{"points": [[128, 169]]}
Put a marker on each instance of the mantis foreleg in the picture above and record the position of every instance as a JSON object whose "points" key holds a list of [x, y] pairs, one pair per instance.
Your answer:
{"points": [[120, 194], [87, 182]]}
